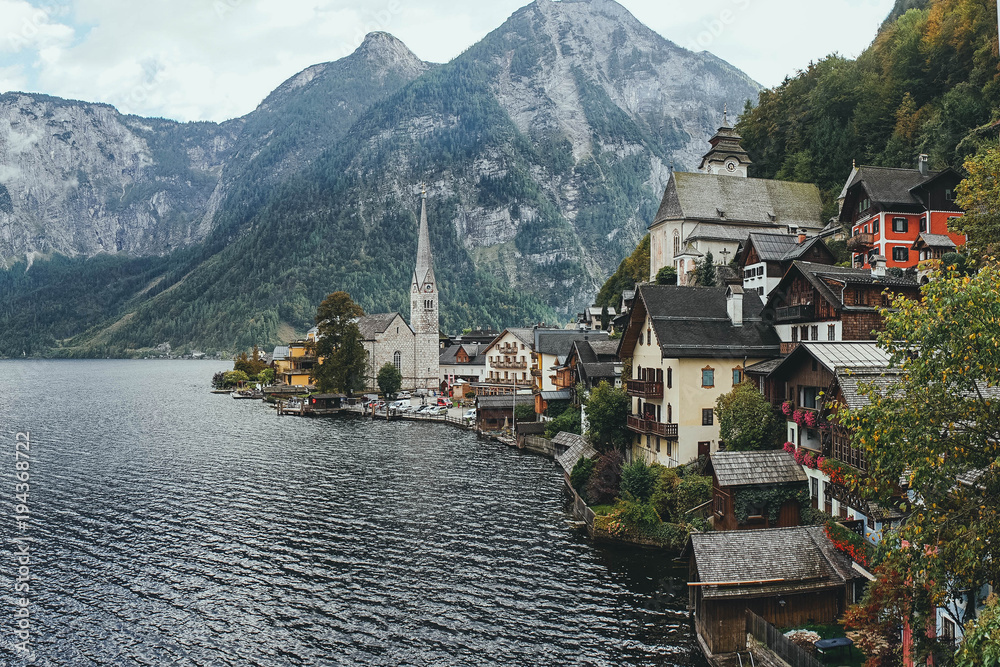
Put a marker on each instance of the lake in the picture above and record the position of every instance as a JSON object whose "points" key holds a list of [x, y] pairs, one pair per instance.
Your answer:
{"points": [[171, 526]]}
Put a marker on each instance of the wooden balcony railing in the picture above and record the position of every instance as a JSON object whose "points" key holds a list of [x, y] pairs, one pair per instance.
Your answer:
{"points": [[518, 365], [644, 388], [794, 313], [861, 241], [536, 372], [640, 425]]}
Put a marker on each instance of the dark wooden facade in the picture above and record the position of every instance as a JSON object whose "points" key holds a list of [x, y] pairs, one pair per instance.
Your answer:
{"points": [[724, 512]]}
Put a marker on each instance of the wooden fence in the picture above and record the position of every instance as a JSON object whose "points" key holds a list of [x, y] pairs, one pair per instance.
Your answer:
{"points": [[769, 636]]}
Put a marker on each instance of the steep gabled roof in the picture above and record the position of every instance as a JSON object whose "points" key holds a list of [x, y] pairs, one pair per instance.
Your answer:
{"points": [[926, 240], [822, 275], [789, 560], [558, 342], [694, 322], [749, 468], [372, 325], [764, 202]]}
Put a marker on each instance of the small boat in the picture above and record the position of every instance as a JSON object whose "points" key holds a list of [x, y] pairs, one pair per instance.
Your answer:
{"points": [[222, 391], [248, 393]]}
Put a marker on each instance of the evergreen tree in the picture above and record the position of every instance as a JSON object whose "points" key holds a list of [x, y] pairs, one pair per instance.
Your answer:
{"points": [[705, 271], [389, 379], [667, 275]]}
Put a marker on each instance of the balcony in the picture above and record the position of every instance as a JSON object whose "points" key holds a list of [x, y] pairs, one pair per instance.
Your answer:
{"points": [[640, 425], [644, 388], [802, 312], [506, 348], [516, 365], [860, 242], [536, 372]]}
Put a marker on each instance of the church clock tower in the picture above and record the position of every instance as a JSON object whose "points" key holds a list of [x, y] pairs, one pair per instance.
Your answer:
{"points": [[726, 155], [424, 309]]}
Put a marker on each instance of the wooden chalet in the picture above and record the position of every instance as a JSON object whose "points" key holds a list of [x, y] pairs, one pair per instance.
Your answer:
{"points": [[831, 303], [492, 412], [753, 490], [319, 405], [787, 576], [765, 257], [810, 385]]}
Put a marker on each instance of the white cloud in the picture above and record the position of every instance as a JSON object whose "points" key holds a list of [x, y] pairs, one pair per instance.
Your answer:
{"points": [[217, 59]]}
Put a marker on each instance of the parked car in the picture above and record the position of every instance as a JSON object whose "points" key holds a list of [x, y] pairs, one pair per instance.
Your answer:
{"points": [[403, 394], [425, 409], [438, 410], [446, 402], [470, 415]]}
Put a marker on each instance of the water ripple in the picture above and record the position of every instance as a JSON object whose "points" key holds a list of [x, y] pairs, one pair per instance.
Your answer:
{"points": [[175, 527]]}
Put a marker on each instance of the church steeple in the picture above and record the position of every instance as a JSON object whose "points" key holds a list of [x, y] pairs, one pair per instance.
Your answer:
{"points": [[726, 155], [423, 273]]}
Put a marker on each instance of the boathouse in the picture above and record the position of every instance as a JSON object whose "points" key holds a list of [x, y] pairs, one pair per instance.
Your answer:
{"points": [[494, 412], [788, 576], [753, 490]]}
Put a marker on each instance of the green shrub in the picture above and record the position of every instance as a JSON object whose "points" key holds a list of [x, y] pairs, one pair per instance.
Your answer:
{"points": [[568, 421], [694, 490], [233, 378], [581, 474], [637, 481], [524, 412], [664, 488]]}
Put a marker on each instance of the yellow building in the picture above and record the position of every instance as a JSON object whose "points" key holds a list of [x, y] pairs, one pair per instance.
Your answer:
{"points": [[683, 348], [293, 363]]}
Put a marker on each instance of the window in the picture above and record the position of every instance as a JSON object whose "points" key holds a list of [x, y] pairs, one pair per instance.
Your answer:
{"points": [[864, 205], [875, 226], [708, 377], [900, 225], [805, 333], [813, 487], [795, 334], [397, 360], [670, 378], [809, 397], [707, 417], [657, 444], [815, 332], [923, 224], [900, 254], [949, 194], [831, 332], [670, 414], [677, 243], [649, 337], [737, 376]]}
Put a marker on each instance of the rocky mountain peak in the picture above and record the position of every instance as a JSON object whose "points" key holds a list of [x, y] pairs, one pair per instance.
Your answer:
{"points": [[383, 50]]}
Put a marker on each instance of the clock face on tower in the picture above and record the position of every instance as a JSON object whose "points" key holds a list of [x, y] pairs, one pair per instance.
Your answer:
{"points": [[731, 165], [428, 287]]}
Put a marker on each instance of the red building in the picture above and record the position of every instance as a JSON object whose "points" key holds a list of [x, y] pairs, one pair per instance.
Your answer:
{"points": [[888, 209]]}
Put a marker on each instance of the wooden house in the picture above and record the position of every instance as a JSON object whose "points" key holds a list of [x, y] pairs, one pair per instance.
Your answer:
{"points": [[788, 576], [492, 412], [765, 257], [752, 490], [831, 303], [318, 405]]}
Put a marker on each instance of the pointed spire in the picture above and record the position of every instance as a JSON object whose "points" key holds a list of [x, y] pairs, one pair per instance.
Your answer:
{"points": [[424, 271], [725, 114]]}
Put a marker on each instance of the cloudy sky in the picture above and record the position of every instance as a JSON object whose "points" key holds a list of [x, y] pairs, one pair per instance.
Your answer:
{"points": [[216, 59]]}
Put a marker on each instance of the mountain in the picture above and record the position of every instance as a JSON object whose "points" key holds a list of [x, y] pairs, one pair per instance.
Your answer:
{"points": [[544, 149], [928, 83]]}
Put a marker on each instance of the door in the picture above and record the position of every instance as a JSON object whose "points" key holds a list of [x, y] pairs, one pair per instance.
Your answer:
{"points": [[704, 448]]}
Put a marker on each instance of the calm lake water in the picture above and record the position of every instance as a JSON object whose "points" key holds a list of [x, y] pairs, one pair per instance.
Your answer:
{"points": [[171, 526]]}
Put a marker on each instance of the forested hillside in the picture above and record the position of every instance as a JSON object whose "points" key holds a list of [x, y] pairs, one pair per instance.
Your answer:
{"points": [[927, 82]]}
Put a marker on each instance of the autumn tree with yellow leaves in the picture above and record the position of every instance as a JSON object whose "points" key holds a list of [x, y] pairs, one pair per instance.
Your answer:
{"points": [[938, 432]]}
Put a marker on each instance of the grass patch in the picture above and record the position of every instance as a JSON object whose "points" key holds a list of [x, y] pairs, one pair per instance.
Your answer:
{"points": [[601, 510]]}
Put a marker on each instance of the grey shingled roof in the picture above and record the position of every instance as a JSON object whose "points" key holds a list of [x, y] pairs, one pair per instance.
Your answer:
{"points": [[578, 448], [448, 355], [559, 342], [850, 383], [694, 322], [935, 241], [746, 468], [765, 367], [802, 558], [280, 352], [769, 203], [888, 186], [853, 355], [377, 323], [717, 232], [500, 402], [819, 275]]}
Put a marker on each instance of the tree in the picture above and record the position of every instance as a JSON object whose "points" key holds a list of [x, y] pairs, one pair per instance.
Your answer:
{"points": [[345, 360], [568, 421], [389, 380], [524, 412], [607, 413], [605, 482], [938, 428], [251, 364], [981, 643], [979, 196], [667, 275], [637, 481], [746, 419], [605, 318], [705, 271], [266, 376]]}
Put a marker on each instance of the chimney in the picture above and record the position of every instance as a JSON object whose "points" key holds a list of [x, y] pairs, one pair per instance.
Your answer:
{"points": [[922, 165], [802, 236], [734, 304], [878, 269]]}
